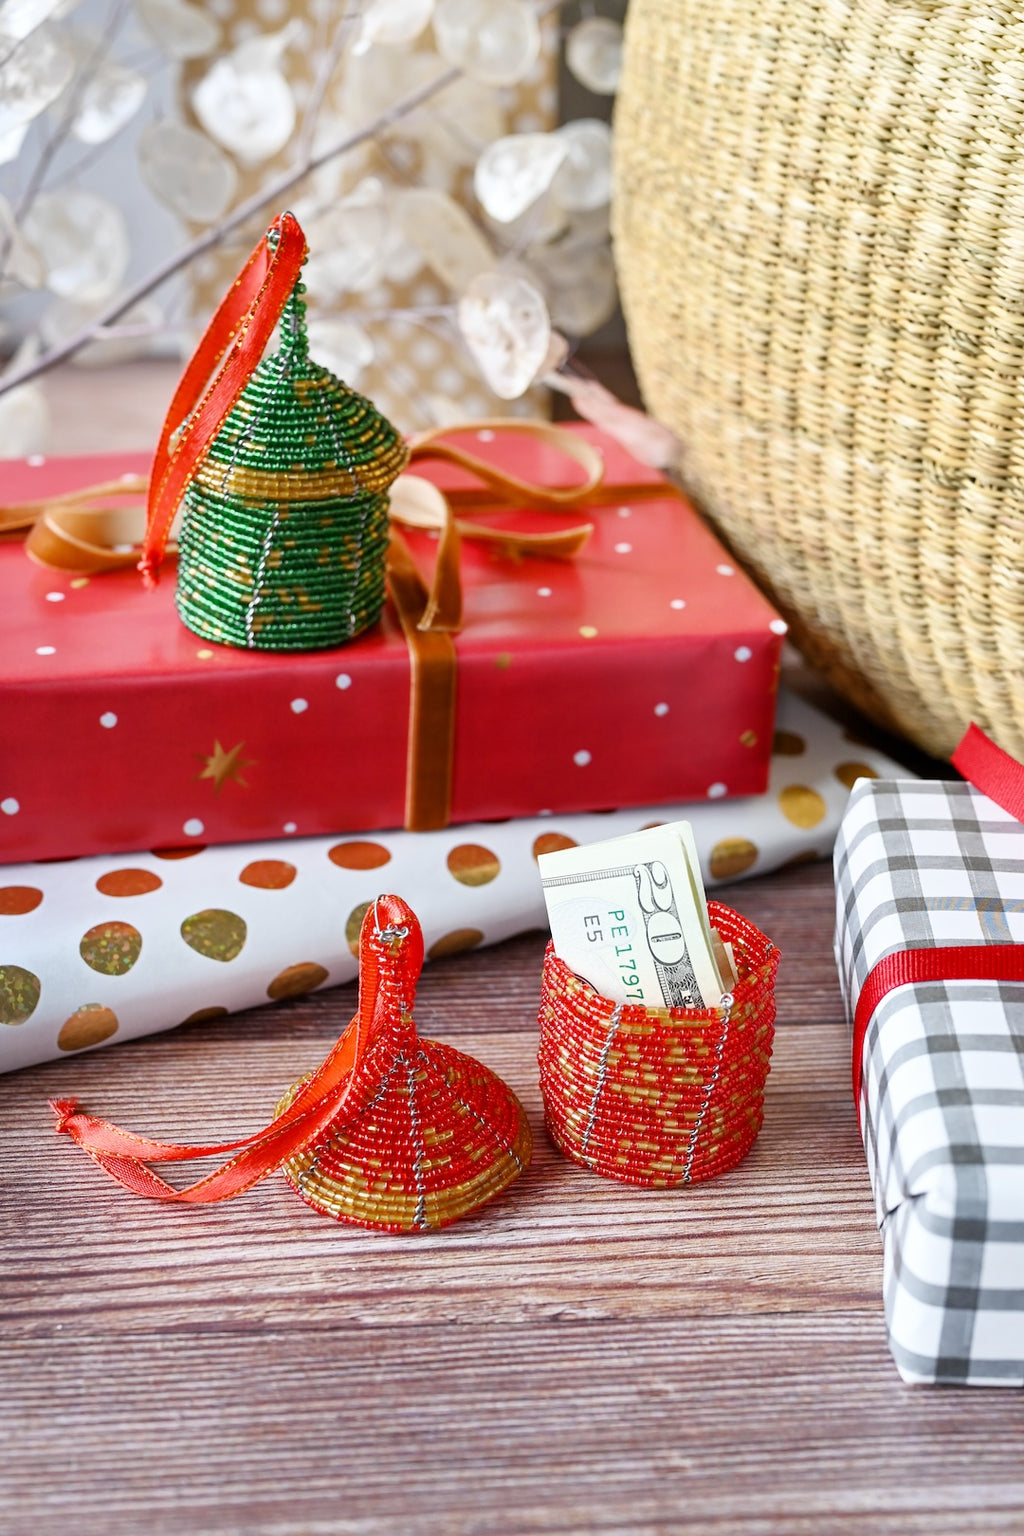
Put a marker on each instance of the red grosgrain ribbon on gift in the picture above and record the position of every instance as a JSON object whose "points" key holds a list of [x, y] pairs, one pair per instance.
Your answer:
{"points": [[1001, 778], [991, 770], [906, 967], [221, 366], [390, 960]]}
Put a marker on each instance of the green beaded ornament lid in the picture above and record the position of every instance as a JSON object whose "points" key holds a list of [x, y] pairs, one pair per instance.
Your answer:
{"points": [[285, 527]]}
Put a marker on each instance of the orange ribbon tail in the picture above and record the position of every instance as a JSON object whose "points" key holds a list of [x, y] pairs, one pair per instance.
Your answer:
{"points": [[397, 949]]}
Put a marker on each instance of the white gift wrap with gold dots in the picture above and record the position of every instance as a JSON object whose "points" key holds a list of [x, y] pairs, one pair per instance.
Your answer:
{"points": [[104, 949]]}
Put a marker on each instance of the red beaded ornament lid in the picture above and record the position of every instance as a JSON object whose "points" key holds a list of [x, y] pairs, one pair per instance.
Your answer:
{"points": [[390, 1131]]}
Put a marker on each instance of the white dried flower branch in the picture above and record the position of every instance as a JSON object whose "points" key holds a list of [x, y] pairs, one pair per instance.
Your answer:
{"points": [[270, 194], [539, 194]]}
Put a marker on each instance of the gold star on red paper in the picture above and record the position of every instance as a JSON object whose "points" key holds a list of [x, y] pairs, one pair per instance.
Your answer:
{"points": [[222, 765]]}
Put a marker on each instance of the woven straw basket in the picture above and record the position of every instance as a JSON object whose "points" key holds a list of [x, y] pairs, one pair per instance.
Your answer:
{"points": [[819, 226]]}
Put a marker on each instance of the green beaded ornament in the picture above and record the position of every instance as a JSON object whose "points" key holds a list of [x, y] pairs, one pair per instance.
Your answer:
{"points": [[285, 527]]}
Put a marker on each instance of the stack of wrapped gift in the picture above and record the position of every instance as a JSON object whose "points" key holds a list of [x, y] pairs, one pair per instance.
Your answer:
{"points": [[644, 670], [641, 675], [930, 949]]}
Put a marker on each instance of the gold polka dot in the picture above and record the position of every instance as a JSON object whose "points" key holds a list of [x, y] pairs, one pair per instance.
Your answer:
{"points": [[188, 851], [849, 773], [748, 739], [588, 631], [217, 934], [788, 744], [111, 948], [472, 864], [802, 806], [19, 994], [455, 942], [128, 882], [731, 857], [805, 856], [503, 661], [552, 842], [204, 1015], [204, 655], [358, 855], [354, 923], [268, 874], [79, 581], [296, 979], [88, 1025], [16, 900]]}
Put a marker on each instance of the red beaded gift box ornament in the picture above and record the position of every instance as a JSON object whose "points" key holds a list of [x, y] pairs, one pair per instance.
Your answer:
{"points": [[659, 1096], [390, 1131]]}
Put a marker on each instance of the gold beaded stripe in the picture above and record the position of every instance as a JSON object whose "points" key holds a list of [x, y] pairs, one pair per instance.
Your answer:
{"points": [[308, 427], [265, 487], [285, 529]]}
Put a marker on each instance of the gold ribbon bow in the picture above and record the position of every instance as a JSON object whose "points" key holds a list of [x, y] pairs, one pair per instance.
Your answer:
{"points": [[79, 531]]}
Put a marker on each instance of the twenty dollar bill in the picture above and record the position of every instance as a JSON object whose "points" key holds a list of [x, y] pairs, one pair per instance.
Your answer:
{"points": [[629, 915]]}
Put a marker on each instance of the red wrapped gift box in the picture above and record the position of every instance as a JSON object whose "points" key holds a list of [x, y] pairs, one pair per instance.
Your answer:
{"points": [[642, 671]]}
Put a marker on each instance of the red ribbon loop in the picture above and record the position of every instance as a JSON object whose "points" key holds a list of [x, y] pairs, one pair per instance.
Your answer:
{"points": [[222, 364], [991, 770]]}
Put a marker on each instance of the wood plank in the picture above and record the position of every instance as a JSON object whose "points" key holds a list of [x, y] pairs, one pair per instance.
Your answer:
{"points": [[454, 1428]]}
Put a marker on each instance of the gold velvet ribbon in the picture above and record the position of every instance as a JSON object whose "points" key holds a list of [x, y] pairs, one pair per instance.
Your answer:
{"points": [[81, 532]]}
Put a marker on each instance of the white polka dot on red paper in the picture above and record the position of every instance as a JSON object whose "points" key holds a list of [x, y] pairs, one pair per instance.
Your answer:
{"points": [[55, 597], [717, 790], [108, 720], [10, 806], [623, 549], [779, 627], [726, 570], [193, 827], [290, 826], [299, 706], [678, 602], [343, 681], [661, 709], [743, 653], [581, 758], [46, 650]]}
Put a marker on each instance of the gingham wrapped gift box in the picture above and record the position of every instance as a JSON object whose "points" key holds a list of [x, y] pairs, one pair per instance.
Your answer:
{"points": [[937, 870]]}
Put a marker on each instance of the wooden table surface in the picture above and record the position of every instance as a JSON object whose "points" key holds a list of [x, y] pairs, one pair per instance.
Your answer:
{"points": [[578, 1357]]}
